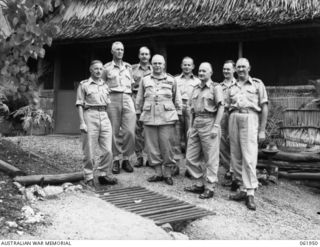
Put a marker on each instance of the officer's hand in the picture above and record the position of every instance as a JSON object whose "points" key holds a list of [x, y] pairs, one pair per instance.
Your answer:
{"points": [[83, 128], [215, 130], [261, 135]]}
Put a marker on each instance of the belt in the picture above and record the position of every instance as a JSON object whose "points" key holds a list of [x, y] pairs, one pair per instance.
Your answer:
{"points": [[97, 108], [115, 92], [205, 114], [243, 111]]}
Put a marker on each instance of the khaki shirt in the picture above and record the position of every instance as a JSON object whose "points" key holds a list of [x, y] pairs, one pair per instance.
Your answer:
{"points": [[186, 86], [225, 89], [91, 93], [252, 95], [119, 79], [138, 73], [206, 98], [158, 100]]}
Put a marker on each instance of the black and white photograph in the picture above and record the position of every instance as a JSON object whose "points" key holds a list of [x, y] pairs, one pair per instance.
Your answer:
{"points": [[159, 120]]}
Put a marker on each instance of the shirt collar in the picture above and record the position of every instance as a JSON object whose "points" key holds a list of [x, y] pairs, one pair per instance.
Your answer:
{"points": [[207, 84], [149, 67], [92, 81], [183, 76], [224, 83], [247, 81], [115, 65], [160, 77]]}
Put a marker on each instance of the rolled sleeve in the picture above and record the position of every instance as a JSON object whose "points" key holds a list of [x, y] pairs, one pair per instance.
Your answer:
{"points": [[263, 97], [218, 95], [80, 96]]}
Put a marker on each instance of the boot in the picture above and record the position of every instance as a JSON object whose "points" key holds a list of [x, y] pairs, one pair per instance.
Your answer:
{"points": [[139, 162], [116, 167]]}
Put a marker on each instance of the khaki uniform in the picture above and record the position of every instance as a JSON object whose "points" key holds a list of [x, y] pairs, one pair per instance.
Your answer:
{"points": [[186, 87], [138, 73], [201, 146], [94, 98], [225, 143], [245, 105], [121, 109], [159, 102]]}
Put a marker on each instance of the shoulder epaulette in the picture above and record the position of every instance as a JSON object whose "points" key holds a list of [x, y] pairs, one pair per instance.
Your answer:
{"points": [[134, 66], [127, 65], [84, 81], [257, 80]]}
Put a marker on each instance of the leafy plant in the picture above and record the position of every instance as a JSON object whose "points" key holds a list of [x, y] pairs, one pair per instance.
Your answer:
{"points": [[33, 117]]}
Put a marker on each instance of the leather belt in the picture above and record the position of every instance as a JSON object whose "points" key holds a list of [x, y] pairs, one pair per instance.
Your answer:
{"points": [[115, 92], [97, 108], [243, 111], [205, 114]]}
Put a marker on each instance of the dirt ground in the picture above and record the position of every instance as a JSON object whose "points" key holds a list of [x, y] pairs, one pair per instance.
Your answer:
{"points": [[284, 211]]}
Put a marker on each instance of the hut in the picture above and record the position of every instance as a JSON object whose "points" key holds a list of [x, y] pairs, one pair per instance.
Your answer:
{"points": [[279, 37]]}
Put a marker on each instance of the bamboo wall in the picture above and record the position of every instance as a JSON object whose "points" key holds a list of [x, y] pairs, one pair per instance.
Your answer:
{"points": [[296, 115]]}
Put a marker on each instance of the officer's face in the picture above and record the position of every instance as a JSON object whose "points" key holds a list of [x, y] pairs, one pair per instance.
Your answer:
{"points": [[158, 66], [96, 70], [242, 68], [228, 70], [204, 72], [144, 55], [118, 51], [187, 66]]}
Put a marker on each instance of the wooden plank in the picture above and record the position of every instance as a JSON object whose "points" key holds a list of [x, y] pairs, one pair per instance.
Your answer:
{"points": [[182, 218], [156, 206], [160, 199], [113, 191], [170, 214], [165, 210], [151, 205], [120, 200], [180, 215], [128, 194]]}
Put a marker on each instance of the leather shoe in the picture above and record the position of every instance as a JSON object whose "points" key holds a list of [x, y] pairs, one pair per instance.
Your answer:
{"points": [[155, 178], [250, 203], [127, 166], [235, 185], [206, 194], [195, 189], [89, 185], [116, 167], [175, 171], [168, 180], [187, 174], [147, 163], [105, 180], [139, 162], [241, 196], [226, 183]]}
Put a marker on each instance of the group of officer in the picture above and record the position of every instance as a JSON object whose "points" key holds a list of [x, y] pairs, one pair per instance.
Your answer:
{"points": [[127, 109]]}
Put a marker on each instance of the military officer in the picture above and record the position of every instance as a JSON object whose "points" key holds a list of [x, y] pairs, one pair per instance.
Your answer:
{"points": [[118, 75], [248, 99], [140, 70], [186, 82], [159, 102], [228, 73], [92, 100], [207, 106]]}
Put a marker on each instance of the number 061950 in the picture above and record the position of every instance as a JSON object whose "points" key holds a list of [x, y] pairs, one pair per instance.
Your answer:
{"points": [[309, 243]]}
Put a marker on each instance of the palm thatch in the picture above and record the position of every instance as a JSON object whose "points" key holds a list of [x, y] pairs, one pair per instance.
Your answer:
{"points": [[89, 19]]}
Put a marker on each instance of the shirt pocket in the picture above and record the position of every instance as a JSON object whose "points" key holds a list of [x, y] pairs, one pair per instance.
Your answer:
{"points": [[148, 89], [209, 102], [113, 79], [166, 90]]}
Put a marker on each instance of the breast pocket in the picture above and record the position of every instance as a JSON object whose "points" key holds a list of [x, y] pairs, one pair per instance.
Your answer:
{"points": [[209, 103], [166, 90], [113, 79]]}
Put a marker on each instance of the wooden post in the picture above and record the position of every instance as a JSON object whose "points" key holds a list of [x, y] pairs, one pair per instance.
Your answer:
{"points": [[56, 83], [240, 49]]}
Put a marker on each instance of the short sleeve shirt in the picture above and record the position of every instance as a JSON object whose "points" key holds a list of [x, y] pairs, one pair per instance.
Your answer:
{"points": [[119, 79], [225, 88], [186, 85], [251, 95], [138, 73], [91, 93], [206, 98]]}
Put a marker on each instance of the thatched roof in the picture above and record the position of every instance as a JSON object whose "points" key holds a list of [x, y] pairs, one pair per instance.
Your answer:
{"points": [[90, 19]]}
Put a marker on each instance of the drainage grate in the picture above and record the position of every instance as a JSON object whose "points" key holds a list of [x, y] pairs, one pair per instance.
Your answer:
{"points": [[159, 208]]}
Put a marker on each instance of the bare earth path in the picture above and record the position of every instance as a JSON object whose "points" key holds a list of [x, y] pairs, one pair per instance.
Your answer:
{"points": [[285, 211]]}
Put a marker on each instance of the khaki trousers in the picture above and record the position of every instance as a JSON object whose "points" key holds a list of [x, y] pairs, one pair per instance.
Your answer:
{"points": [[99, 133], [203, 150], [243, 133], [139, 135], [123, 120], [159, 141], [225, 142]]}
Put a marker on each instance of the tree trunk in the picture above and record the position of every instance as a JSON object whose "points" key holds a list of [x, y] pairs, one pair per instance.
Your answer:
{"points": [[300, 175], [10, 169], [292, 157], [49, 179]]}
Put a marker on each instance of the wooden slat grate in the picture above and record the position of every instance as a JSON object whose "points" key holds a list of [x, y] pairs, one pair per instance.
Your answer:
{"points": [[159, 208]]}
